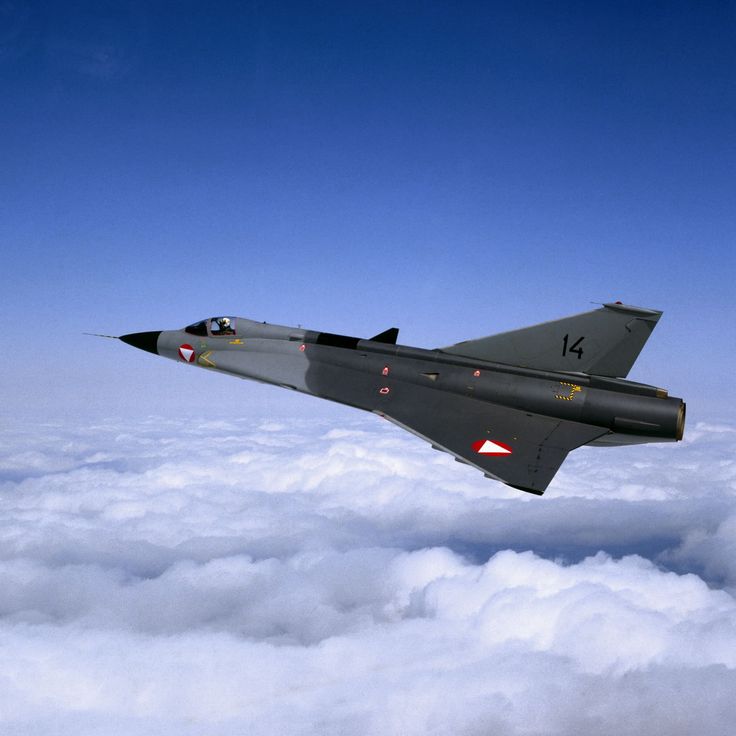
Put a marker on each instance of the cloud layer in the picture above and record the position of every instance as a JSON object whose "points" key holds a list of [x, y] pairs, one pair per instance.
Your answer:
{"points": [[291, 577]]}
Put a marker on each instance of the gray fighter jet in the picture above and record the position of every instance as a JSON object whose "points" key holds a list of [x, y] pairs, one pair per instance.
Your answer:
{"points": [[511, 405]]}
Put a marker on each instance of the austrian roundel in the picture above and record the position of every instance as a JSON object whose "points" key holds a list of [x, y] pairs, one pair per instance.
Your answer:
{"points": [[490, 447], [186, 353]]}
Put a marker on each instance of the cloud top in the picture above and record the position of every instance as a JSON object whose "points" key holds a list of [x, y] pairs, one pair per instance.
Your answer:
{"points": [[218, 577]]}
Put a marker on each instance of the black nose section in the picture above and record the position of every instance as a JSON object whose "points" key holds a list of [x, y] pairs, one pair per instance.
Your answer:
{"points": [[143, 340]]}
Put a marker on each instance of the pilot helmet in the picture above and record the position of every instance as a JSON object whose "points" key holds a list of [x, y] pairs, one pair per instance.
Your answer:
{"points": [[224, 322]]}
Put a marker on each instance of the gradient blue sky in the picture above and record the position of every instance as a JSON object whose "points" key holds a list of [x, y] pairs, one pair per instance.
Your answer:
{"points": [[455, 169]]}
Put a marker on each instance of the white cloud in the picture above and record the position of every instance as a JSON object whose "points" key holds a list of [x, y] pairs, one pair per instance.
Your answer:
{"points": [[219, 578], [712, 551]]}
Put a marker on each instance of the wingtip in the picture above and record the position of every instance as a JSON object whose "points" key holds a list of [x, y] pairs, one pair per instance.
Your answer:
{"points": [[534, 491]]}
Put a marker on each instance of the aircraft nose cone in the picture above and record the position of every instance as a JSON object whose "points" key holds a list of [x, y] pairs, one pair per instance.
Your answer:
{"points": [[143, 340]]}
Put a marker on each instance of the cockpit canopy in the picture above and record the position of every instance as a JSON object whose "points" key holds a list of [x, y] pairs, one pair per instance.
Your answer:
{"points": [[215, 327]]}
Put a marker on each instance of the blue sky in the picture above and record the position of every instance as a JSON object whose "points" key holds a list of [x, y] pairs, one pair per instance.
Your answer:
{"points": [[454, 169]]}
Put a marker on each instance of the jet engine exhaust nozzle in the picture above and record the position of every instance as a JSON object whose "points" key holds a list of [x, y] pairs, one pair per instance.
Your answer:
{"points": [[681, 422]]}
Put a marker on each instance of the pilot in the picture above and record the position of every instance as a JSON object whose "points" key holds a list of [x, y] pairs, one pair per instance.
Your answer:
{"points": [[223, 324]]}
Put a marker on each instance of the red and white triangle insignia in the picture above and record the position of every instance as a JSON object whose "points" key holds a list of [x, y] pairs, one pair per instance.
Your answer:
{"points": [[186, 353], [488, 447]]}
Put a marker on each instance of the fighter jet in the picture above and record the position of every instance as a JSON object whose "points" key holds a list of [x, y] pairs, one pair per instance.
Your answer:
{"points": [[512, 405]]}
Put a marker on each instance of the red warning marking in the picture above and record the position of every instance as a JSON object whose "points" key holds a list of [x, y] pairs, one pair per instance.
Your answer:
{"points": [[384, 372], [384, 390], [476, 374], [302, 348], [487, 447], [186, 353]]}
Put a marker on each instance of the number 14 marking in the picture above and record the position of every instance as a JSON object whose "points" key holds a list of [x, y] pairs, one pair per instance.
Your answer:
{"points": [[574, 348]]}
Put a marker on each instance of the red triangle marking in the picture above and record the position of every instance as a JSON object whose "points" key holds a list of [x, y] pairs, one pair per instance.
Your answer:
{"points": [[186, 353], [491, 447]]}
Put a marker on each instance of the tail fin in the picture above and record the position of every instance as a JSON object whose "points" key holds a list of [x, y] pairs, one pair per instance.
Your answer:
{"points": [[603, 342]]}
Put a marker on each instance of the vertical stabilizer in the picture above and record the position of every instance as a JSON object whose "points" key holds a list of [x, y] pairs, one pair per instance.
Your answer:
{"points": [[603, 342]]}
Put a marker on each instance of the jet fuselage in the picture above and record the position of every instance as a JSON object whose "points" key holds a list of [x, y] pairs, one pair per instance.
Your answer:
{"points": [[400, 382]]}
